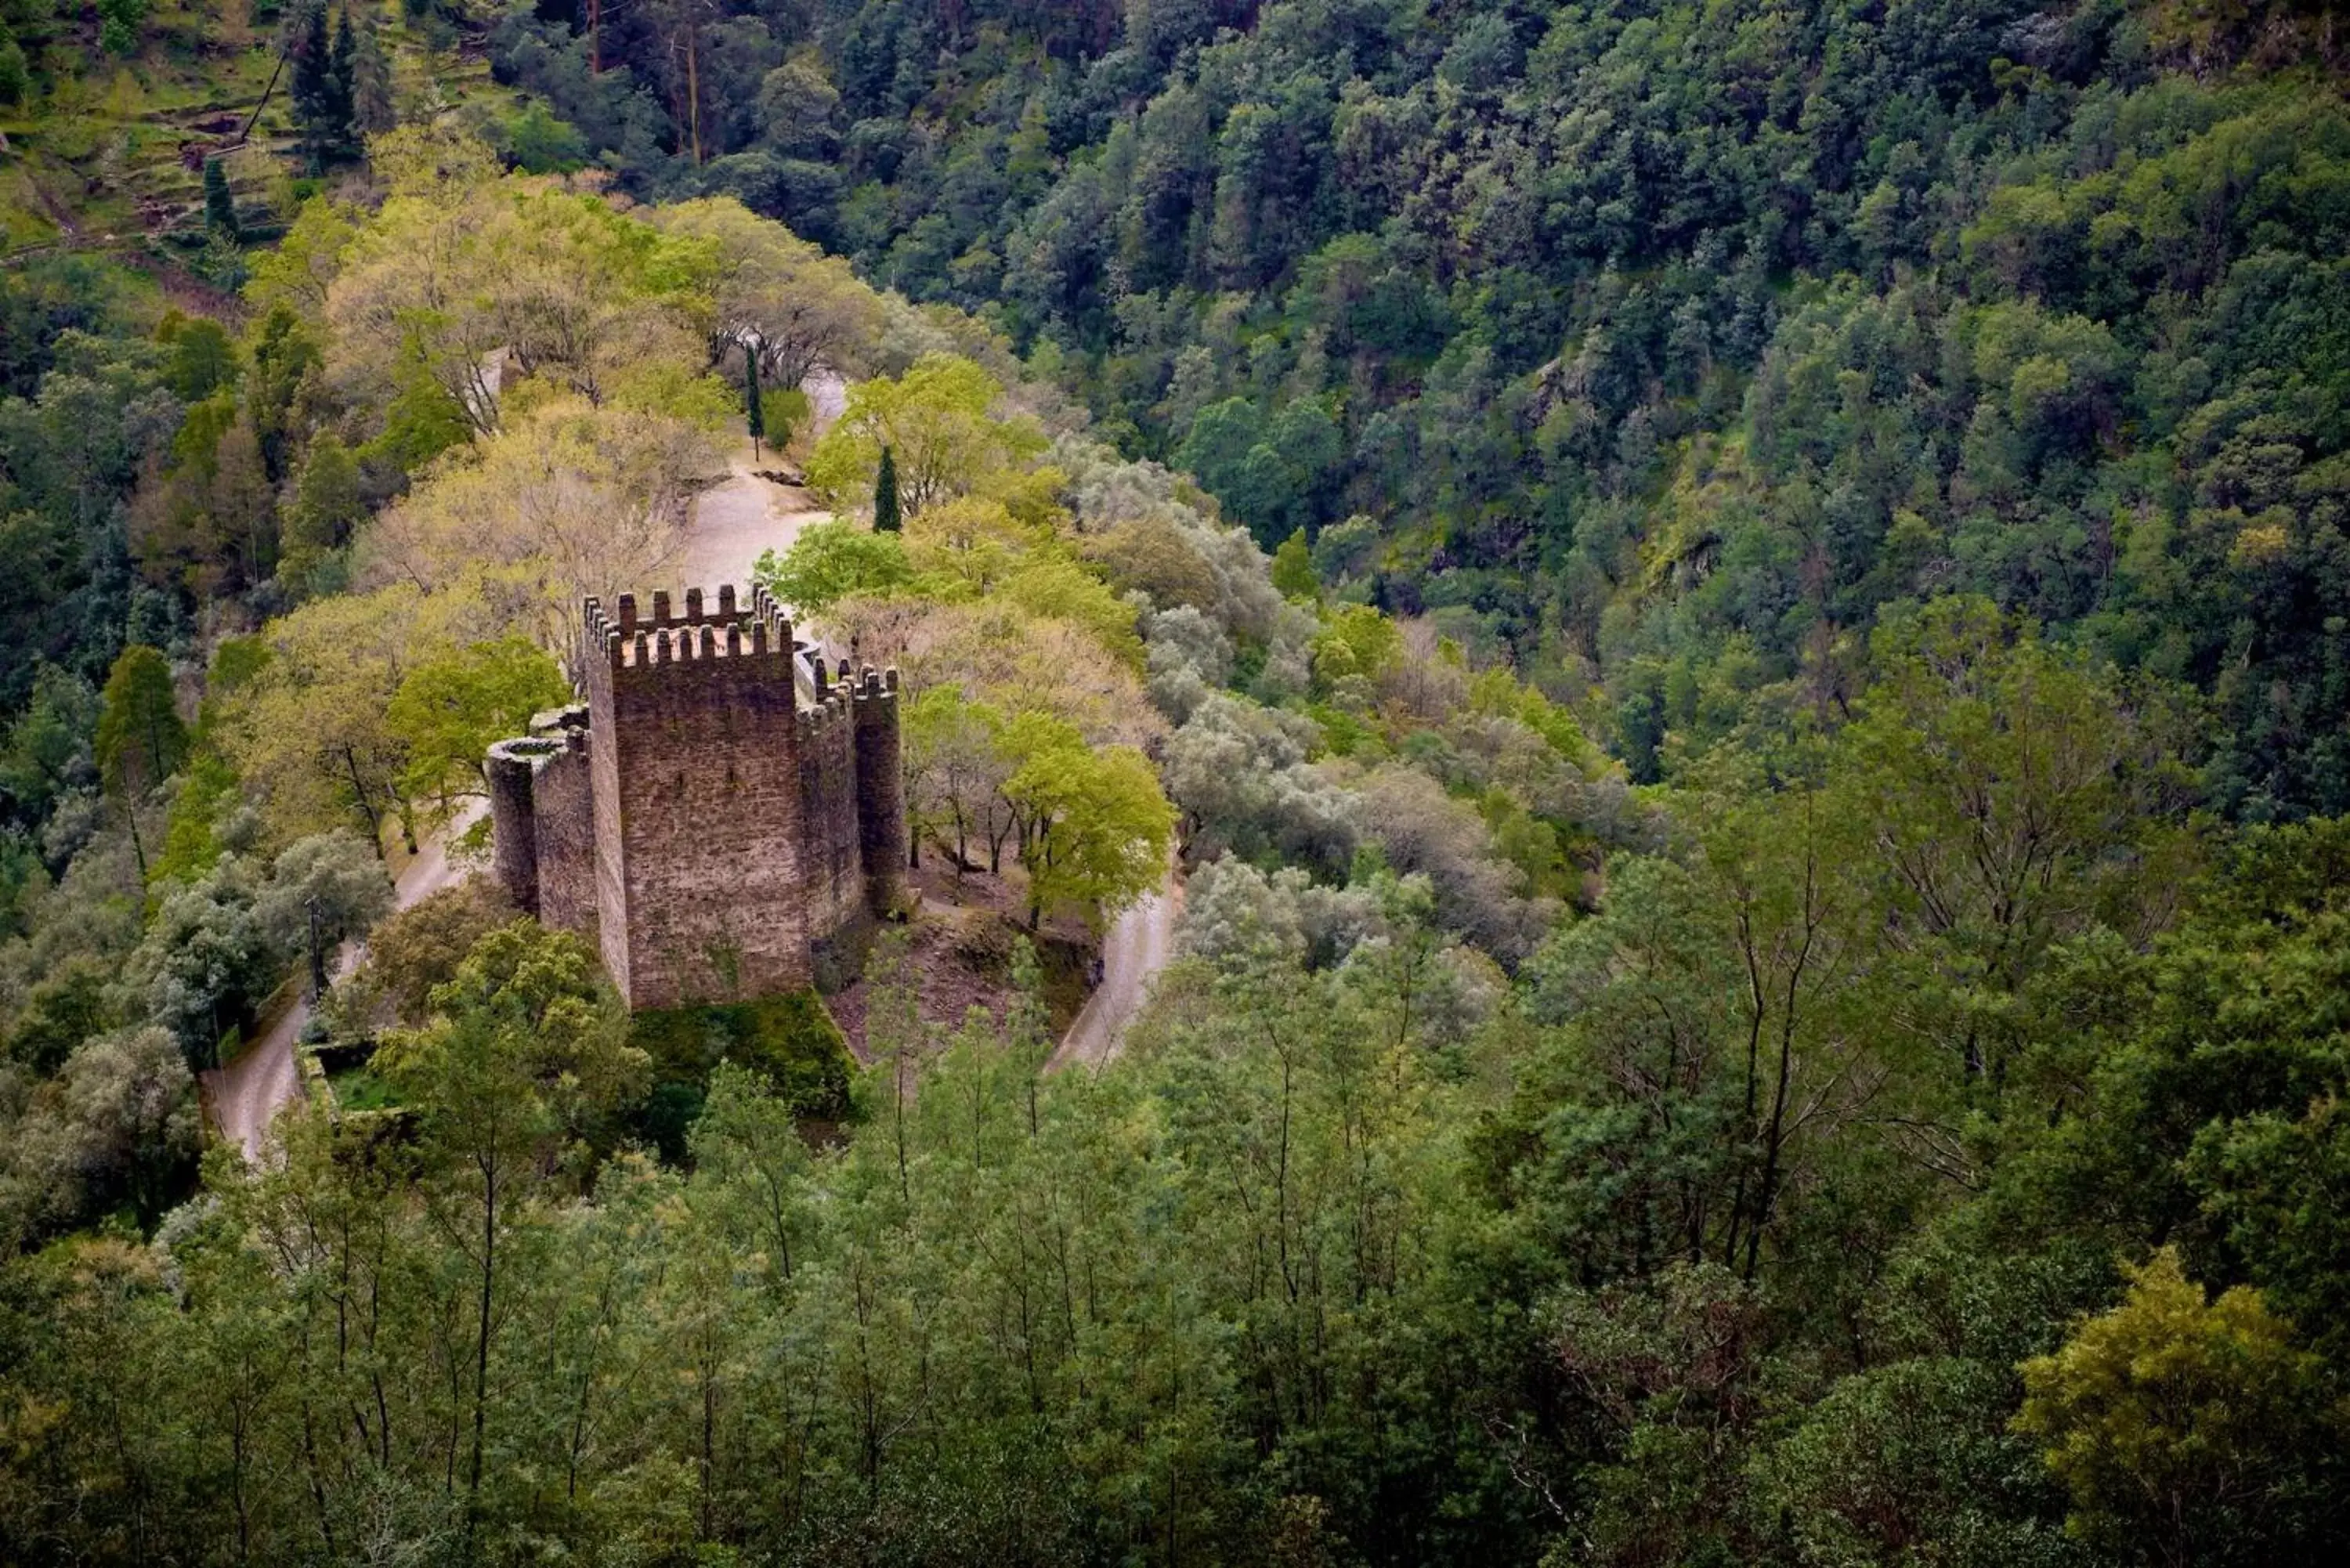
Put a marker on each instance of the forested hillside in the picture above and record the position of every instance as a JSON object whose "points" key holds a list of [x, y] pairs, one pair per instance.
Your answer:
{"points": [[1735, 619], [1662, 344]]}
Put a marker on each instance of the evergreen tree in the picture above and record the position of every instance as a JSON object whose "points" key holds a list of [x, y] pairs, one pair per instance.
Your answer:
{"points": [[754, 415], [321, 88], [373, 108], [327, 501], [220, 204], [340, 86], [887, 517], [1293, 569], [15, 76], [306, 45], [140, 739]]}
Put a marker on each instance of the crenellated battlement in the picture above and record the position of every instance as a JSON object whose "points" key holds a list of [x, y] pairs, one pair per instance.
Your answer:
{"points": [[624, 640]]}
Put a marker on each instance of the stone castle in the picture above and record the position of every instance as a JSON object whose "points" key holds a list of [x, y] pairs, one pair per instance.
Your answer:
{"points": [[720, 817]]}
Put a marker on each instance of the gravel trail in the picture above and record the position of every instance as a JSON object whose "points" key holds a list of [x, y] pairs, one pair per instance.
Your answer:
{"points": [[735, 521], [1140, 943], [244, 1098]]}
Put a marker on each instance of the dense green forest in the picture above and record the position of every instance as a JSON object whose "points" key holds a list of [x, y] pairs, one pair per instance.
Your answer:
{"points": [[1662, 345], [1738, 615]]}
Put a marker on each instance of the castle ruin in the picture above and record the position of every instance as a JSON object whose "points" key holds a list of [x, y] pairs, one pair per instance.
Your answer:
{"points": [[720, 817]]}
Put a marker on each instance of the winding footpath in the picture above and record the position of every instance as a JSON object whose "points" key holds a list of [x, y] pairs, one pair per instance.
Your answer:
{"points": [[245, 1097], [1140, 943]]}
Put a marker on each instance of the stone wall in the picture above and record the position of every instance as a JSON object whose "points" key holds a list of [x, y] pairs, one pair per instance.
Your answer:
{"points": [[513, 819], [563, 796], [835, 876], [543, 827], [718, 816], [699, 817], [881, 791]]}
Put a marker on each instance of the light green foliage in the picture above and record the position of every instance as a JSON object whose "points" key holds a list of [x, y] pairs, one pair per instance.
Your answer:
{"points": [[141, 741], [940, 424], [2172, 1421], [208, 791], [1293, 569], [1097, 827], [784, 411], [450, 707], [955, 767], [1909, 438], [1357, 643], [526, 1042], [831, 561], [2018, 793], [1053, 587], [538, 143]]}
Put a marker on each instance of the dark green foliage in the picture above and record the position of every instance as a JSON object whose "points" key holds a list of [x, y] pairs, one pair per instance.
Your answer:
{"points": [[48, 751], [1670, 341], [119, 24], [755, 413], [321, 85], [1913, 436], [15, 76], [141, 740], [220, 203], [202, 358], [889, 516], [790, 1041], [373, 109]]}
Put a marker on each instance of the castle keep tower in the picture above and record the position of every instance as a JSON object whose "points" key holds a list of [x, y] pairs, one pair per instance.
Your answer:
{"points": [[719, 816]]}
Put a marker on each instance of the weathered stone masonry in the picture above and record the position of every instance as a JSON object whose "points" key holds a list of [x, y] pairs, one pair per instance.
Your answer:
{"points": [[716, 814]]}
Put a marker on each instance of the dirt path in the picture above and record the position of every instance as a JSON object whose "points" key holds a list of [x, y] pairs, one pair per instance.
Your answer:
{"points": [[245, 1097], [1138, 946], [737, 521]]}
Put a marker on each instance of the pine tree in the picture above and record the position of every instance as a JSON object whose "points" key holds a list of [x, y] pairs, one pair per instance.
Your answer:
{"points": [[306, 45], [141, 740], [887, 517], [220, 204], [15, 76], [340, 86], [754, 414], [321, 99], [373, 108]]}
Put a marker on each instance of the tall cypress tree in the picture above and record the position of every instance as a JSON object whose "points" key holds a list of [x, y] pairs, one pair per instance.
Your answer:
{"points": [[373, 109], [312, 58], [754, 413], [339, 86], [220, 203], [321, 101], [887, 517]]}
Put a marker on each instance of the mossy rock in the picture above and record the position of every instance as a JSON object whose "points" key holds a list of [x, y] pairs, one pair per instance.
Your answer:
{"points": [[789, 1040]]}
